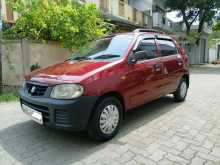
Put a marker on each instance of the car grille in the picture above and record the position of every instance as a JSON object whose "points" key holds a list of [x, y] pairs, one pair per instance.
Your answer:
{"points": [[36, 90], [44, 110], [63, 118]]}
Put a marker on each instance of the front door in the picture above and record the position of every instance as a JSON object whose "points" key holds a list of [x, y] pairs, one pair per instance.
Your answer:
{"points": [[144, 77]]}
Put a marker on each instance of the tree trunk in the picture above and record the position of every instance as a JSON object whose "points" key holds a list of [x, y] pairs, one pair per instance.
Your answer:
{"points": [[188, 28], [201, 24]]}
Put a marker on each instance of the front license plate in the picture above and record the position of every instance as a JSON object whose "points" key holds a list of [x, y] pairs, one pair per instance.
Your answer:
{"points": [[35, 115]]}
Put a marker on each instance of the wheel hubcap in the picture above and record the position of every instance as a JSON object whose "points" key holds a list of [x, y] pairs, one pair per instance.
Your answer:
{"points": [[183, 89], [109, 119]]}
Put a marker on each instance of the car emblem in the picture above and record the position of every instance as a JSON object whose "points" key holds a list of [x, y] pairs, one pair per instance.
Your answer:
{"points": [[33, 89]]}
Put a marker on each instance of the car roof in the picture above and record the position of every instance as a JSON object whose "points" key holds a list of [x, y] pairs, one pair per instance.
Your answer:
{"points": [[151, 34]]}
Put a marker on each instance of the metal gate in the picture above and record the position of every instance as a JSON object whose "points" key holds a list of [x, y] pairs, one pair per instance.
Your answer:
{"points": [[203, 51]]}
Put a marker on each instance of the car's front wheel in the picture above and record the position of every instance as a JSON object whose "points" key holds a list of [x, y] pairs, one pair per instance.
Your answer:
{"points": [[181, 92], [106, 119]]}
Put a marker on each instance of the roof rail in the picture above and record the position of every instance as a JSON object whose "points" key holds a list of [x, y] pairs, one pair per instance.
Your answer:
{"points": [[149, 31]]}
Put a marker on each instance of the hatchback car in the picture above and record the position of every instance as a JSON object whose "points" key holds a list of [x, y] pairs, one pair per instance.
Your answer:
{"points": [[95, 87]]}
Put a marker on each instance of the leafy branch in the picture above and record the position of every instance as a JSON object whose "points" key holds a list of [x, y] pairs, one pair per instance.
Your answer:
{"points": [[62, 20]]}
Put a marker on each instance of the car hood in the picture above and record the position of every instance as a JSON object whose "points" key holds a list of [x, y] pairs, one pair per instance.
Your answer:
{"points": [[66, 72]]}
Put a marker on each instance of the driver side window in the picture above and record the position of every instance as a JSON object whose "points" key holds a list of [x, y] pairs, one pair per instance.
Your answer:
{"points": [[149, 46]]}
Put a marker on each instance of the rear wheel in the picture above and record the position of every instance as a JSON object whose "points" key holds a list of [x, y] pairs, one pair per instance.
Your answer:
{"points": [[106, 119], [181, 92]]}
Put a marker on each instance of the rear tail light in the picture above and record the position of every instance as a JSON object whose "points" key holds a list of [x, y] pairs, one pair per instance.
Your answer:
{"points": [[185, 57], [182, 51]]}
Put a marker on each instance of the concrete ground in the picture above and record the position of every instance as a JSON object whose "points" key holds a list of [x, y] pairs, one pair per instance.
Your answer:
{"points": [[162, 132]]}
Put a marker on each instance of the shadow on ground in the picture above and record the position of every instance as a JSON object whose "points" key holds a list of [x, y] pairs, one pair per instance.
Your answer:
{"points": [[28, 141]]}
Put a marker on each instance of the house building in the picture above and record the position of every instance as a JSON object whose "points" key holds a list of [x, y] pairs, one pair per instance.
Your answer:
{"points": [[7, 14], [125, 14], [198, 54], [159, 16]]}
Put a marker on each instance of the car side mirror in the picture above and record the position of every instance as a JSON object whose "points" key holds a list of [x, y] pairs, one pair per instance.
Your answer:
{"points": [[140, 55], [132, 59]]}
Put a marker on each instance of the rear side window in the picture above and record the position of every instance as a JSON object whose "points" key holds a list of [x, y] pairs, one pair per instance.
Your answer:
{"points": [[167, 47]]}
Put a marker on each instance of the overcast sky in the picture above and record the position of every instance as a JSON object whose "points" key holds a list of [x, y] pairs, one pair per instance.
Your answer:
{"points": [[172, 16]]}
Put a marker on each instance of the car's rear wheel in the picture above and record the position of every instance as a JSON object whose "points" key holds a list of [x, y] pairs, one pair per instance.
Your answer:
{"points": [[106, 119], [181, 92]]}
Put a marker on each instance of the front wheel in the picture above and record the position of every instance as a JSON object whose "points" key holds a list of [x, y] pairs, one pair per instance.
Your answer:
{"points": [[106, 119], [181, 92]]}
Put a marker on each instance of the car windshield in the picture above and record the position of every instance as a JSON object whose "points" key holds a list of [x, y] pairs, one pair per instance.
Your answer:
{"points": [[110, 49]]}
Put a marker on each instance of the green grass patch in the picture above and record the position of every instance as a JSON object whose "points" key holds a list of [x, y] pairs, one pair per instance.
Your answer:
{"points": [[8, 96]]}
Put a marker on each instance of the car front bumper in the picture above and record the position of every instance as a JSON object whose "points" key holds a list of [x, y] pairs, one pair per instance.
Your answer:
{"points": [[70, 115]]}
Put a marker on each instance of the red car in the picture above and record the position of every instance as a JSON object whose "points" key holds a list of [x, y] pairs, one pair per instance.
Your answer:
{"points": [[95, 88]]}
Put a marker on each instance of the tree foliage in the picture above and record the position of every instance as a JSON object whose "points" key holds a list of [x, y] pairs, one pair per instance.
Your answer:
{"points": [[194, 10], [217, 27], [214, 38], [66, 21], [192, 38]]}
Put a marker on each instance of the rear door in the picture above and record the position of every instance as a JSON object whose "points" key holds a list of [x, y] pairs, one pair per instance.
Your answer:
{"points": [[172, 63]]}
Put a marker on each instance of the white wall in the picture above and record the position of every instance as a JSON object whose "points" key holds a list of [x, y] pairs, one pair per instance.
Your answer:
{"points": [[17, 58], [212, 54], [12, 63]]}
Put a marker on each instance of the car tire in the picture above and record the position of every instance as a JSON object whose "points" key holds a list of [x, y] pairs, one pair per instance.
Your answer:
{"points": [[106, 119], [181, 92]]}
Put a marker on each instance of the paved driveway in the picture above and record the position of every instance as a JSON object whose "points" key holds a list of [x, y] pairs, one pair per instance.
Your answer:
{"points": [[161, 132]]}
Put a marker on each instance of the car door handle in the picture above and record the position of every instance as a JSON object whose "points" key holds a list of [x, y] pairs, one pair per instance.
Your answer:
{"points": [[157, 67]]}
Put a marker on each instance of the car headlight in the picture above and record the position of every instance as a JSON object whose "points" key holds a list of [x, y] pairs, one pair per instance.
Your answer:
{"points": [[67, 91]]}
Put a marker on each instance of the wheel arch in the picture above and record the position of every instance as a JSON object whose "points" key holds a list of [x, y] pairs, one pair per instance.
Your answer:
{"points": [[110, 94]]}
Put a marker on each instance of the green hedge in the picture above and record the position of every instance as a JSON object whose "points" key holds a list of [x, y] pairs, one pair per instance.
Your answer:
{"points": [[66, 21]]}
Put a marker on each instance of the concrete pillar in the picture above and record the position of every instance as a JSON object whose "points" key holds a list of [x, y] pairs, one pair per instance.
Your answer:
{"points": [[0, 63], [0, 56]]}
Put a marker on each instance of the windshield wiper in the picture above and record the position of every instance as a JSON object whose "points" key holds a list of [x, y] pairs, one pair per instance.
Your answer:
{"points": [[107, 56], [80, 58]]}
